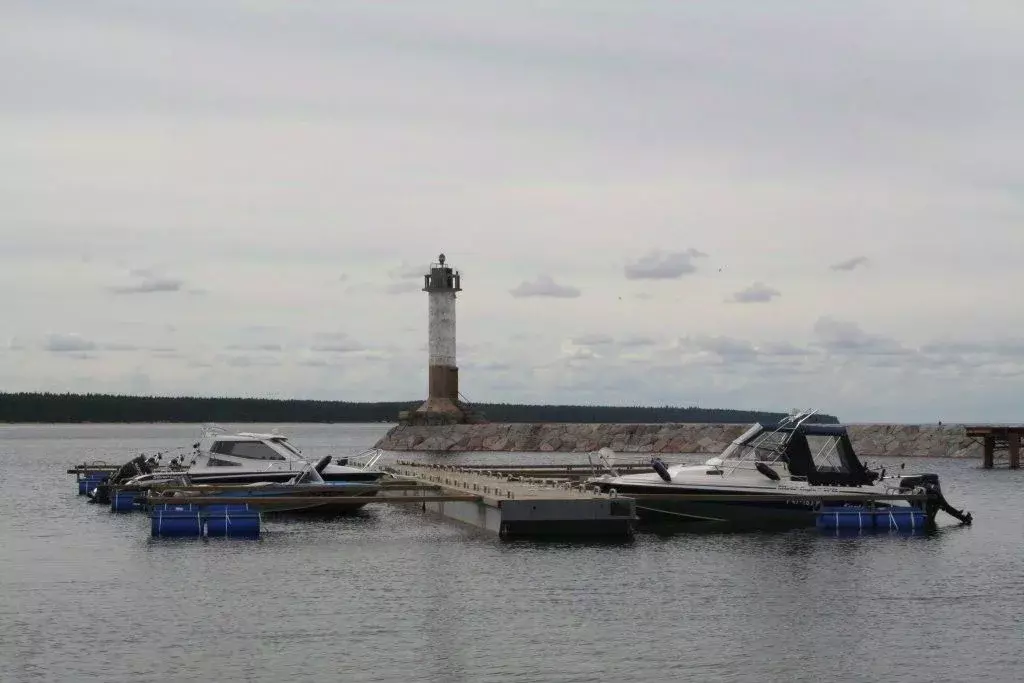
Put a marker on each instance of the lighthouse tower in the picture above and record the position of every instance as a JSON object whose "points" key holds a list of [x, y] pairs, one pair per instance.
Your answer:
{"points": [[442, 404]]}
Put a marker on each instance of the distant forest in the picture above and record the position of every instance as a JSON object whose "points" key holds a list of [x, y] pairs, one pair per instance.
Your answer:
{"points": [[64, 408]]}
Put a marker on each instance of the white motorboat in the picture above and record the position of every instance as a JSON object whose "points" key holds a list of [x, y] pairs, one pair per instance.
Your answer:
{"points": [[221, 457], [244, 457], [775, 475]]}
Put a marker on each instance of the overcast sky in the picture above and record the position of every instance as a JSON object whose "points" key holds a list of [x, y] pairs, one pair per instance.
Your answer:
{"points": [[759, 205]]}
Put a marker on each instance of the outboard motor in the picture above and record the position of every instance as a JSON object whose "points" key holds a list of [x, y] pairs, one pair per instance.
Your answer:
{"points": [[133, 468], [659, 467], [936, 501]]}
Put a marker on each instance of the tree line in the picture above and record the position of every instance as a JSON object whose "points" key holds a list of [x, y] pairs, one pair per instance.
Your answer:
{"points": [[70, 408]]}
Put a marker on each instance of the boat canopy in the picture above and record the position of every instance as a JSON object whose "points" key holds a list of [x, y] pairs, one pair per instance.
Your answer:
{"points": [[820, 453]]}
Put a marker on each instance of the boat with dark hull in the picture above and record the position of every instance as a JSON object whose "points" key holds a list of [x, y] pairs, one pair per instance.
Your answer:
{"points": [[787, 474], [306, 492], [243, 459]]}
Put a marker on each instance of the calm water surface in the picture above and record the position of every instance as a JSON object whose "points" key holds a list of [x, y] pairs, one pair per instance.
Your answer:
{"points": [[394, 595]]}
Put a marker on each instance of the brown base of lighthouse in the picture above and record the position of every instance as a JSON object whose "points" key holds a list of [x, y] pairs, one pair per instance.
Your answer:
{"points": [[442, 405]]}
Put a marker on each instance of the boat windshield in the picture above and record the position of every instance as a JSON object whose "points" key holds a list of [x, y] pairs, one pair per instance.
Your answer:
{"points": [[825, 453], [252, 450], [281, 441], [758, 444], [736, 448]]}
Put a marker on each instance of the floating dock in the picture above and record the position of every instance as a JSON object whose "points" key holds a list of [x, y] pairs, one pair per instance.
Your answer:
{"points": [[514, 508], [1002, 437], [512, 501]]}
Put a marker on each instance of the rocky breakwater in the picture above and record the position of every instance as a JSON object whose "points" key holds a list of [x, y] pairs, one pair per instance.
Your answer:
{"points": [[868, 440]]}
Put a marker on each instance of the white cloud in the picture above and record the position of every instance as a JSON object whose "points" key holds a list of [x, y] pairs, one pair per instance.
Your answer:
{"points": [[147, 281], [402, 287], [840, 336], [544, 286], [339, 347], [593, 340], [408, 272], [68, 342], [850, 263], [660, 265], [725, 347], [755, 294]]}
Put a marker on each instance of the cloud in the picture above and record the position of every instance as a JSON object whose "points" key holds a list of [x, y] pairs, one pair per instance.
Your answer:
{"points": [[254, 347], [755, 293], [844, 337], [340, 347], [118, 346], [251, 361], [68, 343], [782, 349], [850, 264], [1012, 348], [727, 348], [490, 366], [147, 281], [407, 271], [544, 286], [337, 342], [659, 265], [635, 342], [593, 340], [402, 287]]}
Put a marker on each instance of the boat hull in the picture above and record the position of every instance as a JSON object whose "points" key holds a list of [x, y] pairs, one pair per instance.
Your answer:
{"points": [[795, 512], [278, 477], [319, 499]]}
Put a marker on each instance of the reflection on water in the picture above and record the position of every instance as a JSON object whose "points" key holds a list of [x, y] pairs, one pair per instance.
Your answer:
{"points": [[391, 594]]}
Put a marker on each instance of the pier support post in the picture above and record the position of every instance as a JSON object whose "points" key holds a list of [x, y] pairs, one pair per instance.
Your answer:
{"points": [[1013, 439], [990, 449]]}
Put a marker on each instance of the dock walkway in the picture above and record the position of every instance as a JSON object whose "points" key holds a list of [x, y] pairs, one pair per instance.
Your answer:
{"points": [[518, 507]]}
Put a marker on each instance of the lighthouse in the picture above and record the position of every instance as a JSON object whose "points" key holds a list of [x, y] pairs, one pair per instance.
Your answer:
{"points": [[442, 405]]}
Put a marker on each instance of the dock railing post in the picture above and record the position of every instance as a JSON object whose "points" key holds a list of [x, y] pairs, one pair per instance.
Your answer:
{"points": [[990, 448], [1013, 440]]}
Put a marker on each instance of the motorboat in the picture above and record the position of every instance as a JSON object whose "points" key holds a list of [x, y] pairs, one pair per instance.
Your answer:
{"points": [[246, 457], [221, 457], [305, 491], [784, 474]]}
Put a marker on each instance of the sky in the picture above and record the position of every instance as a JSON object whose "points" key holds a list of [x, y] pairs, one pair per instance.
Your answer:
{"points": [[738, 204]]}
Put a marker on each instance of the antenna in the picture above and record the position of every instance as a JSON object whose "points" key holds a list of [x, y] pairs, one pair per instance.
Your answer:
{"points": [[607, 456]]}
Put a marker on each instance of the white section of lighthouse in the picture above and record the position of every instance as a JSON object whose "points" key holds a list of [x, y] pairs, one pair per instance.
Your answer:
{"points": [[441, 328], [441, 285]]}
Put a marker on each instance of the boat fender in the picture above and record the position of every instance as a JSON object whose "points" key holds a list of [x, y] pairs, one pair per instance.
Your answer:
{"points": [[767, 471], [661, 469], [322, 463]]}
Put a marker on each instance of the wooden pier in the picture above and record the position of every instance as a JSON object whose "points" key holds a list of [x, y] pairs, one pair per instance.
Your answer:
{"points": [[998, 437]]}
